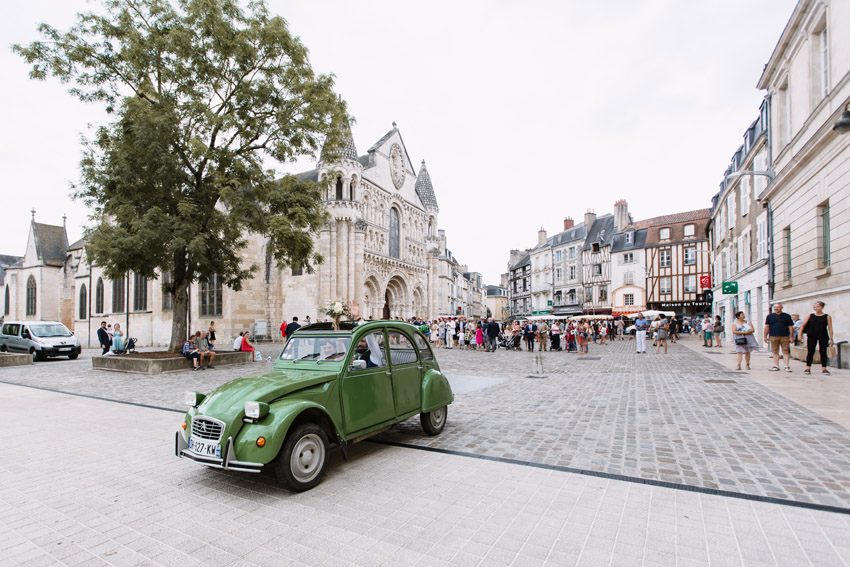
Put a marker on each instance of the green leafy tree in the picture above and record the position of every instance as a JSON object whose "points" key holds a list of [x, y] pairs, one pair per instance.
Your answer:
{"points": [[202, 93]]}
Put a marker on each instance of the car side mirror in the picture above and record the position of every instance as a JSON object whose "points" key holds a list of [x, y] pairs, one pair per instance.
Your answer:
{"points": [[358, 365]]}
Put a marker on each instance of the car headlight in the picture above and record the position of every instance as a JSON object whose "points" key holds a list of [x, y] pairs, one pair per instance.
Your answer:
{"points": [[193, 399], [256, 410]]}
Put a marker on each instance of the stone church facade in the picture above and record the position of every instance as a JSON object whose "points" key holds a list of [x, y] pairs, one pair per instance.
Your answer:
{"points": [[381, 245]]}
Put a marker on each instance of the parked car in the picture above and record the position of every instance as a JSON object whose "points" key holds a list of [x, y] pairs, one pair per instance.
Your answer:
{"points": [[41, 339], [327, 388]]}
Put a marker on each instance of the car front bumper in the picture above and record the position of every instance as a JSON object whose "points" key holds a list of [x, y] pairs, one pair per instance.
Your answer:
{"points": [[60, 351], [228, 462]]}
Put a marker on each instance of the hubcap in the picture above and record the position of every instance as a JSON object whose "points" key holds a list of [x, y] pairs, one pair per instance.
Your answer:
{"points": [[307, 458], [438, 416]]}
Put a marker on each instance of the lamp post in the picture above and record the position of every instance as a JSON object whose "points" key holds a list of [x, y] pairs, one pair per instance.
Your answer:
{"points": [[842, 125]]}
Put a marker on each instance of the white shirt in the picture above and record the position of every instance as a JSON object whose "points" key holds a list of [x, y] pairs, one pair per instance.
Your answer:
{"points": [[237, 343]]}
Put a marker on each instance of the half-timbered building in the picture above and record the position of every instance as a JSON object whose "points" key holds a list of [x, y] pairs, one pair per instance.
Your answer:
{"points": [[596, 264], [677, 256]]}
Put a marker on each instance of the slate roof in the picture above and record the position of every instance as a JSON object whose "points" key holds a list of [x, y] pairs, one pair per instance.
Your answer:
{"points": [[51, 243], [524, 261], [349, 150], [676, 223], [424, 188], [386, 137], [6, 262], [619, 244], [78, 245], [602, 232], [572, 234]]}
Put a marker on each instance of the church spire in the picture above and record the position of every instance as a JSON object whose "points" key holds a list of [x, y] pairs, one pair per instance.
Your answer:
{"points": [[425, 189], [349, 150]]}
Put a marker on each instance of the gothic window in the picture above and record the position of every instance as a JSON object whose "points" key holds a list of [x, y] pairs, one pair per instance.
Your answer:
{"points": [[394, 233], [98, 297], [31, 296], [140, 293], [118, 296], [83, 301], [339, 188], [210, 296]]}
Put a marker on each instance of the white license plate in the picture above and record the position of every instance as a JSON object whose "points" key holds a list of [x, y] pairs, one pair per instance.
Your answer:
{"points": [[65, 348], [205, 448]]}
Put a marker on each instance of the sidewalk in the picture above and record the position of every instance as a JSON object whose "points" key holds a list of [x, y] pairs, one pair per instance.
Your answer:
{"points": [[827, 395]]}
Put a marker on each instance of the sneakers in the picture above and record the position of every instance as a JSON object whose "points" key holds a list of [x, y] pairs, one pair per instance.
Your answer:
{"points": [[202, 368], [807, 371], [211, 366], [787, 369], [774, 369], [825, 371], [196, 368]]}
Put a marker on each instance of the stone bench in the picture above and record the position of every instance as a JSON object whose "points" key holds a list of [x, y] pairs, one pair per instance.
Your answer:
{"points": [[177, 363], [10, 359]]}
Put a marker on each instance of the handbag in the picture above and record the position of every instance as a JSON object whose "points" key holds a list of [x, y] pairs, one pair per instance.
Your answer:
{"points": [[741, 340]]}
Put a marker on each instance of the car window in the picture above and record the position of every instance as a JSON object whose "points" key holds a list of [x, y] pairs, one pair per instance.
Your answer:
{"points": [[11, 329], [25, 333], [50, 330], [424, 349], [371, 349], [315, 349], [402, 350]]}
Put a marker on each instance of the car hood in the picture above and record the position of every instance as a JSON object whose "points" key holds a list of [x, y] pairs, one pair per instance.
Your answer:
{"points": [[60, 341], [227, 402]]}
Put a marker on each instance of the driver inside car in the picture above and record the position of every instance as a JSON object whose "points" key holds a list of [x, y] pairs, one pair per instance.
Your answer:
{"points": [[369, 349]]}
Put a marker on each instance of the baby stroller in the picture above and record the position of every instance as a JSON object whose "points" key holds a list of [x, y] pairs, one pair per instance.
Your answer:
{"points": [[510, 342], [129, 346]]}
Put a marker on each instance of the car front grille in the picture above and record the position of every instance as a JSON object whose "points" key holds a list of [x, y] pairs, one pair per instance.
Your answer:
{"points": [[206, 428]]}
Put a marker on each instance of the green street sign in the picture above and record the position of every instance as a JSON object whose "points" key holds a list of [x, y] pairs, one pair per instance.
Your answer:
{"points": [[730, 288], [549, 303]]}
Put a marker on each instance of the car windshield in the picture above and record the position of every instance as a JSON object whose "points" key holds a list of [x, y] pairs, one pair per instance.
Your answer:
{"points": [[316, 349], [48, 330]]}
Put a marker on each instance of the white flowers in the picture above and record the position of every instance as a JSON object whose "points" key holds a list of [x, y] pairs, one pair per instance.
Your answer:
{"points": [[336, 308]]}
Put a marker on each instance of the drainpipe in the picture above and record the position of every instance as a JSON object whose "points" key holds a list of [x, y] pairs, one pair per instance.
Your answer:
{"points": [[771, 268], [127, 305], [89, 309]]}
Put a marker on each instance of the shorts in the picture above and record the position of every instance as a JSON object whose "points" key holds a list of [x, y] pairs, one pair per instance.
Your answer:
{"points": [[780, 342], [707, 335]]}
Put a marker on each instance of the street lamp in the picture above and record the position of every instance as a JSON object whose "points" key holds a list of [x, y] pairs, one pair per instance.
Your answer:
{"points": [[842, 125]]}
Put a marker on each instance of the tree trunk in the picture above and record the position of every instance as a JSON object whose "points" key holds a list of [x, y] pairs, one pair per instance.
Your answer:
{"points": [[180, 308]]}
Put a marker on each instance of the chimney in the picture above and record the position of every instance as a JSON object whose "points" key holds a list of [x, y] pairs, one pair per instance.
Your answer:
{"points": [[541, 236], [589, 218], [621, 215], [569, 223]]}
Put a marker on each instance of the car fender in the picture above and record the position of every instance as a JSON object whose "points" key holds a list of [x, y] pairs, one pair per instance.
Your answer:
{"points": [[436, 391], [274, 427]]}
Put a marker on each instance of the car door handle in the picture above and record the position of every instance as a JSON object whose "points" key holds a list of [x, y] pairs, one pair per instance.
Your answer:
{"points": [[388, 373], [420, 367]]}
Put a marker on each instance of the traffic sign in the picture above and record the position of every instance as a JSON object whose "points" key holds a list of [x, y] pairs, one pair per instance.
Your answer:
{"points": [[730, 288]]}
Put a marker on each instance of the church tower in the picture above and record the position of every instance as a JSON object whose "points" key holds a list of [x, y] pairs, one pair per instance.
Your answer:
{"points": [[341, 240]]}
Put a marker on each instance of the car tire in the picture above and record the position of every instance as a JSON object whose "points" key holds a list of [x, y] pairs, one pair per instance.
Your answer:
{"points": [[302, 460], [73, 356], [36, 355], [433, 422]]}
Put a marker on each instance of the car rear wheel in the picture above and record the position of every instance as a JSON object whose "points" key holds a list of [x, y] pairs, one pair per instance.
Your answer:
{"points": [[434, 421], [302, 461]]}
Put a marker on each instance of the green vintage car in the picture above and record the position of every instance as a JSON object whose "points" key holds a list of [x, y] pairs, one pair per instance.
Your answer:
{"points": [[327, 388]]}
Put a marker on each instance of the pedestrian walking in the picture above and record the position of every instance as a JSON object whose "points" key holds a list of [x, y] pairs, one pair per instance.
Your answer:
{"points": [[661, 329], [641, 325], [707, 329], [543, 336], [745, 339], [818, 330], [620, 326], [778, 328]]}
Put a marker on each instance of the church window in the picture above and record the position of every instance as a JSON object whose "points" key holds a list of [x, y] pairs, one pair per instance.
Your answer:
{"points": [[98, 297], [339, 188], [210, 297], [31, 296], [167, 296], [140, 293], [118, 296], [83, 301], [394, 233]]}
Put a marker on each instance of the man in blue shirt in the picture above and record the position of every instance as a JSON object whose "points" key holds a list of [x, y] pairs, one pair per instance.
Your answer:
{"points": [[641, 325]]}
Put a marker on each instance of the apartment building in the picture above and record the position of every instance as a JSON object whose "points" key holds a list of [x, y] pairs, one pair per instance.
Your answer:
{"points": [[807, 83]]}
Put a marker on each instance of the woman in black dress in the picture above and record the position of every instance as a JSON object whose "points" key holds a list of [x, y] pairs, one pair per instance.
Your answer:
{"points": [[818, 330]]}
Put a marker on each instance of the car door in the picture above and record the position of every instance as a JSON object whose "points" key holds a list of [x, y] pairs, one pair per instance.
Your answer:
{"points": [[406, 372], [13, 342], [367, 394]]}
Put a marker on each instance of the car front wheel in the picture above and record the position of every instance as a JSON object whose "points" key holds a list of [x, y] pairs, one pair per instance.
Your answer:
{"points": [[434, 421], [302, 461], [36, 355]]}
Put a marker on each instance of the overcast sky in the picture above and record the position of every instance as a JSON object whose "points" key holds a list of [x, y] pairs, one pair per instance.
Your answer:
{"points": [[525, 111]]}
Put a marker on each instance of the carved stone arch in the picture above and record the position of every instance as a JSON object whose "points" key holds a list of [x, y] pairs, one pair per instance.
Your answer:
{"points": [[372, 298], [397, 295]]}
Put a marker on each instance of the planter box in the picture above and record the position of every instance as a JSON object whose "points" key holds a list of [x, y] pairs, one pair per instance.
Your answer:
{"points": [[9, 359], [800, 352], [177, 363]]}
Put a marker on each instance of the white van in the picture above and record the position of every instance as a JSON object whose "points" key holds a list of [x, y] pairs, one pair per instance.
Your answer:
{"points": [[41, 339]]}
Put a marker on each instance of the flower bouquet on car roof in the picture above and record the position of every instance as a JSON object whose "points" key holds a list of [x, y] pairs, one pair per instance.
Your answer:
{"points": [[337, 309]]}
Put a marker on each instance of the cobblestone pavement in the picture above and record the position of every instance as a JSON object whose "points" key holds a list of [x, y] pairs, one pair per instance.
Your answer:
{"points": [[676, 418], [79, 485]]}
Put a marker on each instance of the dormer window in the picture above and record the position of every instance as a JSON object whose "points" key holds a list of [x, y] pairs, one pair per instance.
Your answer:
{"points": [[630, 237], [595, 247], [690, 229], [664, 233]]}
